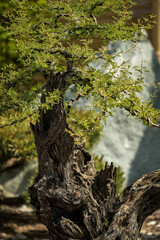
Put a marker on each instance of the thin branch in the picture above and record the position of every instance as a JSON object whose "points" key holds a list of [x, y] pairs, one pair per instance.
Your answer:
{"points": [[147, 119], [72, 100], [136, 112], [94, 18], [94, 6], [16, 121], [68, 57]]}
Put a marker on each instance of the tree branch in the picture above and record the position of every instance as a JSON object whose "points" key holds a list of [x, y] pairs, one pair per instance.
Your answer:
{"points": [[94, 6], [16, 121], [72, 100], [134, 205], [94, 18], [136, 112]]}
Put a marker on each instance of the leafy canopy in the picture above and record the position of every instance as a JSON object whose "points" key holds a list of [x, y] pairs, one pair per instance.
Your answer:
{"points": [[60, 36]]}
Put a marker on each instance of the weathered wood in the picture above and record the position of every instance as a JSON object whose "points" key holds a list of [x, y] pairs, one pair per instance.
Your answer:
{"points": [[72, 199], [136, 203]]}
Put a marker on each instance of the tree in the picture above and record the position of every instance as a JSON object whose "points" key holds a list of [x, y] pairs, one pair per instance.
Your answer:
{"points": [[55, 46]]}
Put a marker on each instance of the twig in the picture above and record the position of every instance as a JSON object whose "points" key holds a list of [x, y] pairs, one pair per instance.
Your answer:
{"points": [[147, 119], [16, 121], [72, 100], [94, 18], [96, 5]]}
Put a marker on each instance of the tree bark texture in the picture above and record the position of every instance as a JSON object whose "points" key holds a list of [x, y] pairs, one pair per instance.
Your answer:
{"points": [[71, 198]]}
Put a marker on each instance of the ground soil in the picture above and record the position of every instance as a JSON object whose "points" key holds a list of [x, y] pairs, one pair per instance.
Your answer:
{"points": [[151, 227], [18, 221]]}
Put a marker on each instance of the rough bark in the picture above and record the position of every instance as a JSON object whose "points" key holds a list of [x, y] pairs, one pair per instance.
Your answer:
{"points": [[72, 199]]}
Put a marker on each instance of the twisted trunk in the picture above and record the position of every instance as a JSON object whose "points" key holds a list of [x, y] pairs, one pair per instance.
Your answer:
{"points": [[72, 199]]}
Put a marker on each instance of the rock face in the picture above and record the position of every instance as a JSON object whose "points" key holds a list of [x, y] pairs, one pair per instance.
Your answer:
{"points": [[126, 141]]}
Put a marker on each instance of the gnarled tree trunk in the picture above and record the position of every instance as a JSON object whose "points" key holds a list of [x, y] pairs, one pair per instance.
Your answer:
{"points": [[72, 199]]}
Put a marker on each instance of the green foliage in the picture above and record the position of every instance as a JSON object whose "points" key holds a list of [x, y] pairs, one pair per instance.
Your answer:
{"points": [[106, 222], [57, 36], [120, 180], [86, 123], [17, 141], [98, 162], [52, 36]]}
